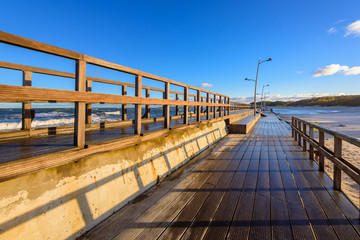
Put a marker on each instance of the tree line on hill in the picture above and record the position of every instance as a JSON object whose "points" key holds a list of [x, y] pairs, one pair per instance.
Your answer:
{"points": [[346, 100]]}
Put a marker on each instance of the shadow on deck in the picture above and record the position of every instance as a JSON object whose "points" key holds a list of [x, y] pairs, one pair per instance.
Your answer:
{"points": [[255, 186]]}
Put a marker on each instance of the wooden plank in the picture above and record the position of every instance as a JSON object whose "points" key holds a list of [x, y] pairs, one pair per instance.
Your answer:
{"points": [[177, 107], [26, 106], [321, 156], [311, 148], [138, 88], [198, 108], [80, 108], [207, 108], [167, 107], [88, 105]]}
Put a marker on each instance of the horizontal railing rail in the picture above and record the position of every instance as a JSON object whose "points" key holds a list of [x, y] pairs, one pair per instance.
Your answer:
{"points": [[303, 133], [82, 95]]}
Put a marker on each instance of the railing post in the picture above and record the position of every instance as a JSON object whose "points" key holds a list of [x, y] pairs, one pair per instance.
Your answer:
{"points": [[26, 106], [322, 144], [228, 107], [177, 106], [311, 148], [299, 137], [124, 106], [207, 107], [304, 139], [198, 107], [88, 105], [147, 107], [337, 170], [186, 107], [214, 108], [220, 108], [138, 88], [167, 107], [292, 129], [80, 85]]}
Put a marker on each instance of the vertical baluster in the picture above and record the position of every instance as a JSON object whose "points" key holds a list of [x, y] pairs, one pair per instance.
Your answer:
{"points": [[311, 150], [138, 88], [167, 107], [177, 106], [299, 137], [337, 170], [214, 108], [124, 106], [322, 144], [198, 107], [207, 107], [80, 85], [186, 107], [88, 106], [292, 129], [220, 108], [147, 107], [26, 106], [304, 139]]}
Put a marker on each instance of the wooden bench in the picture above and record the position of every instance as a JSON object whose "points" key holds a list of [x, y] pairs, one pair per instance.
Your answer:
{"points": [[244, 125]]}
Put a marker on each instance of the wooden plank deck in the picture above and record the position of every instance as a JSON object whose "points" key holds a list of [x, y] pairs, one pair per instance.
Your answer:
{"points": [[255, 186]]}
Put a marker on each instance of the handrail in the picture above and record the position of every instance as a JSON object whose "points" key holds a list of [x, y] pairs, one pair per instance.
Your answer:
{"points": [[83, 96], [299, 130]]}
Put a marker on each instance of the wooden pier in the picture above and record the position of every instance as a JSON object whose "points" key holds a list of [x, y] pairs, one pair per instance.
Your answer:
{"points": [[256, 186], [171, 177]]}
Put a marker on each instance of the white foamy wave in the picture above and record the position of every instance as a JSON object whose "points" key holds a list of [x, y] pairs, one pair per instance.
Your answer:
{"points": [[9, 126], [53, 114], [113, 113]]}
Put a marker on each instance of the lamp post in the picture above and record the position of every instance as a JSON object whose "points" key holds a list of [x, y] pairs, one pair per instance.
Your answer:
{"points": [[264, 99], [262, 96], [257, 74]]}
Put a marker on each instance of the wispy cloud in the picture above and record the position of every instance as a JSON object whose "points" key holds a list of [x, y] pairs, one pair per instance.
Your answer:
{"points": [[278, 97], [340, 21], [206, 85], [332, 30], [299, 72], [353, 29], [336, 68]]}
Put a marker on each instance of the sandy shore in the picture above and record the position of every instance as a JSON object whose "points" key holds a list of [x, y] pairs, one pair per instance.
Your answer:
{"points": [[350, 152]]}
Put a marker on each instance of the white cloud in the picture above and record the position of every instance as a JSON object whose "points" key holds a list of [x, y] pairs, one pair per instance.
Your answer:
{"points": [[278, 97], [206, 85], [332, 30], [340, 21], [352, 71], [329, 70], [353, 29], [299, 72]]}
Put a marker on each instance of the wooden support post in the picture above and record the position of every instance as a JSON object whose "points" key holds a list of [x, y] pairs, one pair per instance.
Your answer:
{"points": [[299, 137], [292, 129], [228, 106], [186, 107], [337, 170], [80, 85], [214, 108], [177, 106], [304, 140], [207, 107], [124, 106], [220, 108], [26, 106], [88, 105], [167, 107], [147, 107], [198, 107], [138, 88], [311, 148], [322, 144]]}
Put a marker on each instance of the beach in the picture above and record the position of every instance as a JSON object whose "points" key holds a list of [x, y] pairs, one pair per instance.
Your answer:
{"points": [[345, 120]]}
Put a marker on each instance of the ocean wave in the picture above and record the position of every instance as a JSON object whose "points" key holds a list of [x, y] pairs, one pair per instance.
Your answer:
{"points": [[113, 113], [8, 126], [53, 114]]}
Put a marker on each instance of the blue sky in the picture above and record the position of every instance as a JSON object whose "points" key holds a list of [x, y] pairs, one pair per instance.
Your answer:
{"points": [[315, 45]]}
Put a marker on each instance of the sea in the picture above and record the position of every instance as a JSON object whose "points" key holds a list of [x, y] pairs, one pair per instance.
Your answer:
{"points": [[10, 118]]}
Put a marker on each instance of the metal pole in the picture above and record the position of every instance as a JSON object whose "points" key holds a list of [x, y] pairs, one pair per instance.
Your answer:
{"points": [[262, 97], [257, 73]]}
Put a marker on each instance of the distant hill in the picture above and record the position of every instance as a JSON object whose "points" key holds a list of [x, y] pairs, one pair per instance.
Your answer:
{"points": [[348, 100]]}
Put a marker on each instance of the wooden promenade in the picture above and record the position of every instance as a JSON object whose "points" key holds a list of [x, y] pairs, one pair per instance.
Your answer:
{"points": [[256, 186]]}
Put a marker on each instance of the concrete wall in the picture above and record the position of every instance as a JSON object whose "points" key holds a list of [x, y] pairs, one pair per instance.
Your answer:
{"points": [[66, 201]]}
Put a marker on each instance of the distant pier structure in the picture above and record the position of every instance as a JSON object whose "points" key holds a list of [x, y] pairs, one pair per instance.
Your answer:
{"points": [[206, 169]]}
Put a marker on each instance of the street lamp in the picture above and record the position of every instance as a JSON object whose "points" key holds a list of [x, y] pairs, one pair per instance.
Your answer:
{"points": [[265, 98], [257, 74], [262, 95]]}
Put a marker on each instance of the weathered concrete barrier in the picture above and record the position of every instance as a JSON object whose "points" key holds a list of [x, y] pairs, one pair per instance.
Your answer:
{"points": [[244, 126], [63, 202]]}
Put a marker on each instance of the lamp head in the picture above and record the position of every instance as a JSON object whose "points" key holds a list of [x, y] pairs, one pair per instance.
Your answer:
{"points": [[270, 59]]}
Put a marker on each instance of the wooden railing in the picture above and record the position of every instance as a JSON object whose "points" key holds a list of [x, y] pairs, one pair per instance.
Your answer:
{"points": [[82, 96], [303, 132]]}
